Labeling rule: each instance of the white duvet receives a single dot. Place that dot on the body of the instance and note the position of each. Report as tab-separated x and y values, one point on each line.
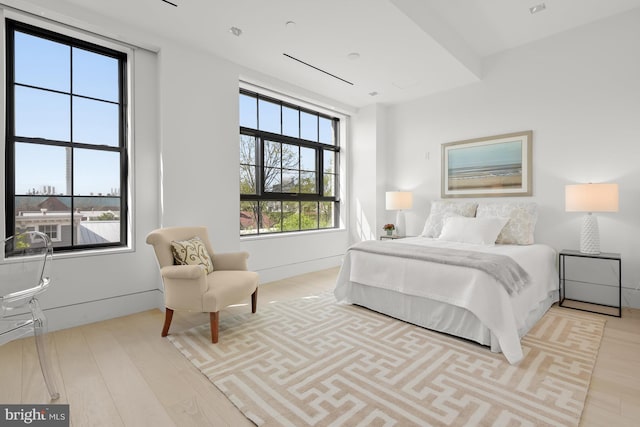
464	287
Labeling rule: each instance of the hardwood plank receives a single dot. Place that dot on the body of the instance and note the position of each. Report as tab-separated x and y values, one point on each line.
631	406
90	403
596	417
137	405
213	400
176	394
11	372
34	389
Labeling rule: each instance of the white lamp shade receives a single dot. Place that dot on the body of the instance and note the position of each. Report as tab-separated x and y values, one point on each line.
591	198
399	200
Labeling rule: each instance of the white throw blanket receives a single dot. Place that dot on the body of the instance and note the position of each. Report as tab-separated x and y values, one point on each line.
503	268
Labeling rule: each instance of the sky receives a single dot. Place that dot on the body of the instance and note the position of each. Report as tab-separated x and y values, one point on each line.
79	105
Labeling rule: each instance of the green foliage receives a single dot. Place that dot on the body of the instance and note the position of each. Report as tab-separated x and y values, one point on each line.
282	172
107	216
20	241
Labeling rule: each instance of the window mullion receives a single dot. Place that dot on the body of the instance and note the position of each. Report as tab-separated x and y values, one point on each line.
259	166
10	138
70	153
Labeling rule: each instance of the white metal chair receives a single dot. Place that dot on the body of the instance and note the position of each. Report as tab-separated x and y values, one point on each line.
23	276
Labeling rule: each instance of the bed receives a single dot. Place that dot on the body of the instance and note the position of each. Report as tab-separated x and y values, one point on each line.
460	300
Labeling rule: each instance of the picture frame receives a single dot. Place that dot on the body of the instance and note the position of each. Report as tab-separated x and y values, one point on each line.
493	166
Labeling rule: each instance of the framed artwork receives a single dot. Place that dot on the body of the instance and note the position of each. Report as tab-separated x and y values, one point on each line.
493	166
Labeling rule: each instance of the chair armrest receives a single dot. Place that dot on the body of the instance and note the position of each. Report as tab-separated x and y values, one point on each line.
230	261
184	286
182	271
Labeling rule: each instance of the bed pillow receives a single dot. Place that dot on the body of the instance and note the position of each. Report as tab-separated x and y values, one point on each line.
440	209
521	224
479	231
191	252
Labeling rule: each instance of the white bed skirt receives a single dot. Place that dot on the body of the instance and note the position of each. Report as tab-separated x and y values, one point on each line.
435	315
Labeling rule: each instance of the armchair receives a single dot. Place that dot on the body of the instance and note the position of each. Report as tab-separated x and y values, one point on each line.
197	286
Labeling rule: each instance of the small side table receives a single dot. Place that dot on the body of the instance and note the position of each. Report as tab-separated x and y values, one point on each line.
391	237
584	305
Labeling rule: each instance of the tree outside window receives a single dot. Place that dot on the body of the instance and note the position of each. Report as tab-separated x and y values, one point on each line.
288	167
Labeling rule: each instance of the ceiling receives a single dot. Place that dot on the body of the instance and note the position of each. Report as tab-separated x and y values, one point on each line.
407	48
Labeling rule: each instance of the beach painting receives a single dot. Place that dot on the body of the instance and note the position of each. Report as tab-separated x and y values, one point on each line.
488	167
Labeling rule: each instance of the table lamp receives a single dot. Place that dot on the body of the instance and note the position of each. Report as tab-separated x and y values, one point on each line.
591	198
399	201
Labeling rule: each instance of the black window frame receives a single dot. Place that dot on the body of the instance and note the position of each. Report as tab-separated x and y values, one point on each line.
12	26
263	194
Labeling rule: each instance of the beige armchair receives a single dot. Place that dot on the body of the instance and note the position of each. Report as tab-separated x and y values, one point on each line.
191	288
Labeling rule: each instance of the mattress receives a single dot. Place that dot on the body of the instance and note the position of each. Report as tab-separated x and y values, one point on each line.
457	300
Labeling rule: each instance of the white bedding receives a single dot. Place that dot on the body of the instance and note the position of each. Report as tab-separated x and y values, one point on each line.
463	287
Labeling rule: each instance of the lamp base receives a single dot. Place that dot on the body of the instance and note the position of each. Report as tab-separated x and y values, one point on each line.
590	235
400	231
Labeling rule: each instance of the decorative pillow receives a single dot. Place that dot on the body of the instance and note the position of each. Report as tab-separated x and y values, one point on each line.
191	252
522	218
479	231
440	209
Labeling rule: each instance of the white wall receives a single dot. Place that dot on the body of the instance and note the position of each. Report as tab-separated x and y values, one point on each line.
185	172
580	94
200	154
91	287
199	139
363	175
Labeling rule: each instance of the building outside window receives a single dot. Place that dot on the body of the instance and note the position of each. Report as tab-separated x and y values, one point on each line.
289	157
51	230
66	145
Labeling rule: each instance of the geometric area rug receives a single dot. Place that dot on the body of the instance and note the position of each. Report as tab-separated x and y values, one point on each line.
315	362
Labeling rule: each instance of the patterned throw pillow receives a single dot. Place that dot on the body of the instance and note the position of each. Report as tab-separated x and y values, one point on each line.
441	209
522	221
191	252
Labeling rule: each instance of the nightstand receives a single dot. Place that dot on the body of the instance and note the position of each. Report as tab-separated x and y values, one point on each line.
601	260
391	237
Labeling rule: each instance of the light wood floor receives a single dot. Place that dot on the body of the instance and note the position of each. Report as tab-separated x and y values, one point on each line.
120	372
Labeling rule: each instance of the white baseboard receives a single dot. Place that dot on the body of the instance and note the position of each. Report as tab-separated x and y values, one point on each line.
283	271
95	311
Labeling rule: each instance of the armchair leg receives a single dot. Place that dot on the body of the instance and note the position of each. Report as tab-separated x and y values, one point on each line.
215	320
168	316
254	301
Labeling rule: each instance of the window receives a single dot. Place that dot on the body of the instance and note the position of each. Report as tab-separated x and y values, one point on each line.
51	230
288	167
66	154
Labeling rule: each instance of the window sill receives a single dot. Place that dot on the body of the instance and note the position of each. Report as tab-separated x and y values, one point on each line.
254	237
92	252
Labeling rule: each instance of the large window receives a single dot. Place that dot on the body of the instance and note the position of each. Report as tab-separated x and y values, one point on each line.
66	159
288	167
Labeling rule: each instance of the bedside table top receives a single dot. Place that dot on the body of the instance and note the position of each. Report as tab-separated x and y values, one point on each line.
602	255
